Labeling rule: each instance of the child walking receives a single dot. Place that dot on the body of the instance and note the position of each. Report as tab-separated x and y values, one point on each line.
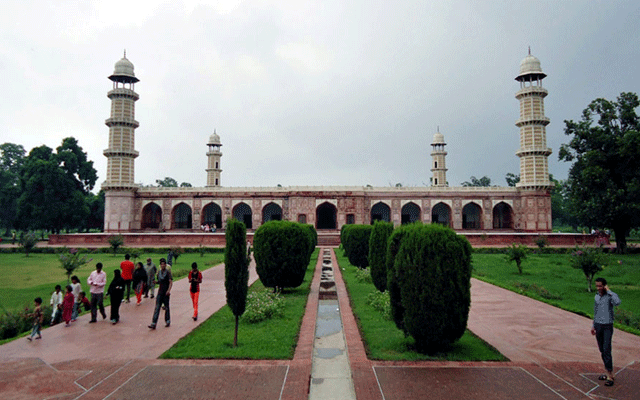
37	319
77	288
139	281
67	306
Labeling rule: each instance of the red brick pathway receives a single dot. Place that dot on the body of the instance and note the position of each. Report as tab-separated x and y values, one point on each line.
100	361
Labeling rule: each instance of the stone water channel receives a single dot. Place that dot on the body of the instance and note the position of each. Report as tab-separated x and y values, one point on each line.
330	371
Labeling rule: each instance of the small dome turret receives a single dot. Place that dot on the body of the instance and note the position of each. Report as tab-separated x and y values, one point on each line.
214	140
123	71
530	67
438	138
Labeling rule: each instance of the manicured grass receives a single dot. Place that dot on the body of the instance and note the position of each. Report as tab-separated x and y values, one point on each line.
558	284
270	339
25	278
384	341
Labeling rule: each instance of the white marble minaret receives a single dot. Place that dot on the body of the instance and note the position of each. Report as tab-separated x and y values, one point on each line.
533	152
119	185
213	160
438	167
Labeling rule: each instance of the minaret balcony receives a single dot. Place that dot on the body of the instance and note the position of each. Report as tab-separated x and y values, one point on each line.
121	122
531	91
535	151
121	153
122	92
532	121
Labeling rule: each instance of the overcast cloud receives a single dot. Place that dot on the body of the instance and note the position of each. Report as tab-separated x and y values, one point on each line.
310	92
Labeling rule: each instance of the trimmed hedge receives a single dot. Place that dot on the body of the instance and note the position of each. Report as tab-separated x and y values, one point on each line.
356	244
433	271
393	286
378	253
281	250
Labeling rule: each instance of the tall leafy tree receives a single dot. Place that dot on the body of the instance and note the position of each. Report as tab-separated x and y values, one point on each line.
484	181
55	187
236	270
167	182
604	180
11	160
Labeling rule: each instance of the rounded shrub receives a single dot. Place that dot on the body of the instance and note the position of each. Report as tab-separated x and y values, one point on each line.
433	271
281	251
378	253
313	235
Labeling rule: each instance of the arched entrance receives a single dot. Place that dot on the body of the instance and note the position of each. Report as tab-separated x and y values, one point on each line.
441	214
326	216
471	216
181	217
212	215
410	213
151	216
380	212
271	212
502	216
242	212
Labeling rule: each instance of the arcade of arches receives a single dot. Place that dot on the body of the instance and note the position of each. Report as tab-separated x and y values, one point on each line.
327	215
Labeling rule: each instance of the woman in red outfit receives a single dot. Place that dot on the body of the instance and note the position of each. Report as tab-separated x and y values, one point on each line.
195	279
139	279
67	305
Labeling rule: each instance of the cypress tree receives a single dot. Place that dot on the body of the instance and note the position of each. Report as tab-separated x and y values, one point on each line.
378	253
236	270
433	268
358	244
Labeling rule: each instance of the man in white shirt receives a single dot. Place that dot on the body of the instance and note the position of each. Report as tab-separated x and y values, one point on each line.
56	305
97	281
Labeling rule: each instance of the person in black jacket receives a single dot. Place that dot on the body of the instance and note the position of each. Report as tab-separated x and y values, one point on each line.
116	291
139	281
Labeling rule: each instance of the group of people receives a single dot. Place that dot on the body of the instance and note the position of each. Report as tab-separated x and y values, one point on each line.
143	279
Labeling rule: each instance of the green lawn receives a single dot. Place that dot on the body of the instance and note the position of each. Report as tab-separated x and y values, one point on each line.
549	278
270	339
25	278
384	341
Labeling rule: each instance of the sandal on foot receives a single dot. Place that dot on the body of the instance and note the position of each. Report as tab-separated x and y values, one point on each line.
603	377
609	382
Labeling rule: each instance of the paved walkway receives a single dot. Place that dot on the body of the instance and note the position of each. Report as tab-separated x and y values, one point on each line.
552	357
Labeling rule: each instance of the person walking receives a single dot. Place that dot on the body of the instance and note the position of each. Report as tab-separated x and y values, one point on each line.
67	306
165	281
151	270
76	289
139	281
127	273
56	305
195	279
97	281
602	329
116	291
38	317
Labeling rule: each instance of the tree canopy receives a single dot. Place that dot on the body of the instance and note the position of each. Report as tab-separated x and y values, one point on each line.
484	181
11	160
170	182
55	187
604	180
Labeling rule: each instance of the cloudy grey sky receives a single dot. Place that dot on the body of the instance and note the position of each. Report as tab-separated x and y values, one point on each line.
310	92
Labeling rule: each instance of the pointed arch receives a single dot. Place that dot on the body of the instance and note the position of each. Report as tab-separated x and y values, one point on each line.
410	213
441	214
326	216
271	212
502	216
242	212
212	215
151	216
471	216
181	217
380	212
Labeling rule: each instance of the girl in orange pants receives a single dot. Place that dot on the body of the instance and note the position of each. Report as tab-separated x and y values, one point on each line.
195	279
